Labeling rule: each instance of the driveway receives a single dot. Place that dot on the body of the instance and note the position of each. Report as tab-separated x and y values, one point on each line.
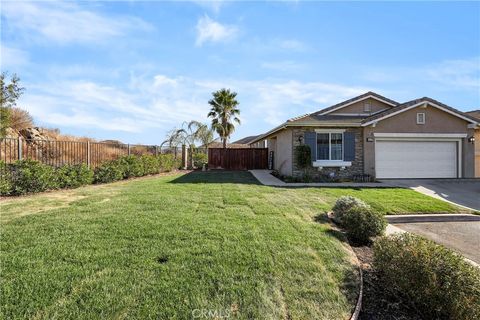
463	236
462	192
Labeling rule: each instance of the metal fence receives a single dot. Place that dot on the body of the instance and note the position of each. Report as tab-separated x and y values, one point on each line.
58	153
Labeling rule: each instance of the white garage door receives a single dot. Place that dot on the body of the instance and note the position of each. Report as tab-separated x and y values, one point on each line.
416	159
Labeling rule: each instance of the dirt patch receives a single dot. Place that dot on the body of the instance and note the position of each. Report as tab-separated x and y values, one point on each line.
377	305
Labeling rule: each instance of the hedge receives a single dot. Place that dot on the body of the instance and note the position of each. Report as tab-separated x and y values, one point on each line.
29	176
439	283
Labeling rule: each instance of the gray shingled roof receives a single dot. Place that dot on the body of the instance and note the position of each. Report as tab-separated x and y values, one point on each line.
247	140
414	102
474	113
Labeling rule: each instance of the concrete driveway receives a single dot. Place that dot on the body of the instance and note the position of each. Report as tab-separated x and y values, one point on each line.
464	192
462	236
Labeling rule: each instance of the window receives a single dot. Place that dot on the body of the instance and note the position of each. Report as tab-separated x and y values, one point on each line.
329	146
421	118
367	107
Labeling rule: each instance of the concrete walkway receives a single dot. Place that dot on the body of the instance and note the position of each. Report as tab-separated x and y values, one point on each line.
265	178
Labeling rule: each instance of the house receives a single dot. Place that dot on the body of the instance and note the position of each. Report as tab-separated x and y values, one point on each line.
476	114
374	135
217	143
248	141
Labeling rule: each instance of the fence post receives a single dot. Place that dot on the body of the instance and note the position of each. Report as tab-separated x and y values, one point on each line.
184	156
88	154
20	148
128	148
156	151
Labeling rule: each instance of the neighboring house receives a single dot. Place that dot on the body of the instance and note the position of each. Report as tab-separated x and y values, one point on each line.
248	141
217	143
371	134
476	114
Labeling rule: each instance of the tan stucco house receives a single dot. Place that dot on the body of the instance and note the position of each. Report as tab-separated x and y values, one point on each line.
376	136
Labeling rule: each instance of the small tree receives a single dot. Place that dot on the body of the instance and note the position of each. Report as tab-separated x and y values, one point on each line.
8	99
224	113
303	157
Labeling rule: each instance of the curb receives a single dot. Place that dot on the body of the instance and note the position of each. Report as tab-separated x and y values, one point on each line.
414	218
358	305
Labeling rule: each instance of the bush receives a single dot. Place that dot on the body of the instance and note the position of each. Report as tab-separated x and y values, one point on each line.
5	179
109	171
167	162
133	166
150	164
199	159
29	176
437	281
345	203
303	156
74	176
362	223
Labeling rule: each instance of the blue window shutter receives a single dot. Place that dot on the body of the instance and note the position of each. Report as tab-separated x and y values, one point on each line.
349	144
311	141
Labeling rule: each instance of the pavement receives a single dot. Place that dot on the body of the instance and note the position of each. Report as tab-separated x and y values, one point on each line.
265	178
462	192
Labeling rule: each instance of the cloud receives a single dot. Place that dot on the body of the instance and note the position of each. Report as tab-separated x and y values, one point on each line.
284	66
65	23
12	57
161	102
462	74
214	5
291	44
209	30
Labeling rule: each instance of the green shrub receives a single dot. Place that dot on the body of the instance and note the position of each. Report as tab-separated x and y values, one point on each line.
362	223
167	162
74	176
150	164
133	166
5	179
437	281
109	171
303	157
345	203
29	176
199	159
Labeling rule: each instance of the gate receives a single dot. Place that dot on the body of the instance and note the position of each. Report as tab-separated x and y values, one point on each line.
238	159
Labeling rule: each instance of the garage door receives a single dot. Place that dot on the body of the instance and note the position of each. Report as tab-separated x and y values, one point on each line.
416	159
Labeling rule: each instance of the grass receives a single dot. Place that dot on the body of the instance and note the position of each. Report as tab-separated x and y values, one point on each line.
163	247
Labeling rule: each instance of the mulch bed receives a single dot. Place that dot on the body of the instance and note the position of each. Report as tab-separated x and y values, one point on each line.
377	305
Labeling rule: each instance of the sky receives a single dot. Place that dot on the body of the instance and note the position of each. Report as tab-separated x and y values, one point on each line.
133	70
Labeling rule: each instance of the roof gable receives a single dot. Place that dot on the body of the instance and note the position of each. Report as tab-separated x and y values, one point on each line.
416	103
365	96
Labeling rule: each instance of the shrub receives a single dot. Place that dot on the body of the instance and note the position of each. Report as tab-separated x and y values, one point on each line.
29	176
133	166
199	159
74	176
437	281
109	171
167	162
150	164
5	179
345	203
362	223
303	156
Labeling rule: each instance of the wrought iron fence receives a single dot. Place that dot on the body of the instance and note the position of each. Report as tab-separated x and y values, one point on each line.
58	153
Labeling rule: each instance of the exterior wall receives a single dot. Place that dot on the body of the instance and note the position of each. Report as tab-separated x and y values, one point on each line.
358	107
281	145
259	144
477	153
348	172
436	121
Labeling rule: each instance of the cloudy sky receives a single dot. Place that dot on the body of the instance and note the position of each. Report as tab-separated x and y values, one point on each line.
133	70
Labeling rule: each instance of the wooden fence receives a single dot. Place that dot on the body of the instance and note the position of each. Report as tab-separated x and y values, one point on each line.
58	153
238	159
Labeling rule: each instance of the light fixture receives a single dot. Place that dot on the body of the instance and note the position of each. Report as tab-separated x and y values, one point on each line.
471	139
369	139
300	139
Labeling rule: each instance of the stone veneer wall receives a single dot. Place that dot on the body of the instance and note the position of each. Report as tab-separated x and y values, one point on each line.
348	172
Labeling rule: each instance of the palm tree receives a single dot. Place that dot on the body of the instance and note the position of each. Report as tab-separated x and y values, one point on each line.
224	113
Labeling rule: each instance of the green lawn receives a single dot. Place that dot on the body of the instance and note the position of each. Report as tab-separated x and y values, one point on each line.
164	247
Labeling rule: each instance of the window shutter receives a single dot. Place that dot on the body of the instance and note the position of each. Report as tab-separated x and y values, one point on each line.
311	141
349	143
